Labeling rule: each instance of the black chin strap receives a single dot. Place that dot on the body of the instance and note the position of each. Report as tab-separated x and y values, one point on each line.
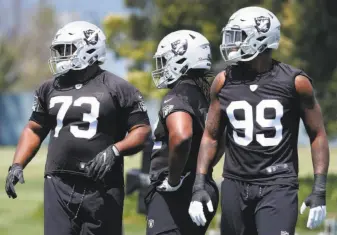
73	77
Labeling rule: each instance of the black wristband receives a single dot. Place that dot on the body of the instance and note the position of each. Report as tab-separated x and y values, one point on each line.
199	182
319	183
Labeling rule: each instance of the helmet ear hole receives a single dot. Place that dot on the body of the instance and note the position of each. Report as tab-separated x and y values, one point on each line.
91	51
261	38
181	61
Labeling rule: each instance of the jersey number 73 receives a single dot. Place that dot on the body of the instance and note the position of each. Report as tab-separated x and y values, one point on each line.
91	118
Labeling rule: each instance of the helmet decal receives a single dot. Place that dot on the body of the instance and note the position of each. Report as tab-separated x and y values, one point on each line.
179	47
177	53
262	24
87	35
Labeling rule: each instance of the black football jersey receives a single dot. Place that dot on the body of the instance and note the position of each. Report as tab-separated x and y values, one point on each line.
262	114
184	97
86	118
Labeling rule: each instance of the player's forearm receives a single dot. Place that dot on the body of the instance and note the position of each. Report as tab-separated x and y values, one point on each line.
29	144
207	153
178	155
320	153
134	141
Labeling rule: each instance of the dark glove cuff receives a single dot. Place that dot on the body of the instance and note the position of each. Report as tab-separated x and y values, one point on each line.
319	183
199	182
15	165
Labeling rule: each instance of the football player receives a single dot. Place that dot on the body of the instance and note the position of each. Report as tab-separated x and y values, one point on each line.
260	101
88	112
183	61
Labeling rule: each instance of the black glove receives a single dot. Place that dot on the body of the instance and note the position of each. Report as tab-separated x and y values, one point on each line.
200	197
102	163
15	174
317	196
316	202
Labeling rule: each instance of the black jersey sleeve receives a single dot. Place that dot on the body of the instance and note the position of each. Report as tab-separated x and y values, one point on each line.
301	72
133	106
39	107
175	103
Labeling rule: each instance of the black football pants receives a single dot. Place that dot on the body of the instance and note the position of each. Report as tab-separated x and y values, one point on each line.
73	205
167	212
249	209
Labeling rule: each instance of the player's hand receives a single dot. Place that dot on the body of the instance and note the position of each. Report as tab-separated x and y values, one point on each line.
316	202
200	197
101	164
15	174
166	187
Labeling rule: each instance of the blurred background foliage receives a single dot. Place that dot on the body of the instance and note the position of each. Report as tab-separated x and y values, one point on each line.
308	39
24	46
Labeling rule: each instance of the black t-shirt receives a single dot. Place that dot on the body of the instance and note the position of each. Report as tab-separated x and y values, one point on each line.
184	97
84	119
263	114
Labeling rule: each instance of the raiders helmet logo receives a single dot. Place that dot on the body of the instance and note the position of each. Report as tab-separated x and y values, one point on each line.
87	34
179	47
262	24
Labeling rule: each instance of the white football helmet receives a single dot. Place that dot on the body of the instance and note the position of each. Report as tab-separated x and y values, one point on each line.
248	33
76	46
177	53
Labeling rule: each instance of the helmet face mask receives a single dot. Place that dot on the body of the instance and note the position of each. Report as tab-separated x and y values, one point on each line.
63	58
248	33
237	45
177	53
164	74
76	46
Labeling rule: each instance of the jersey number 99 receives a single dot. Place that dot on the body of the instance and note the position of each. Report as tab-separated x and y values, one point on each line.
248	123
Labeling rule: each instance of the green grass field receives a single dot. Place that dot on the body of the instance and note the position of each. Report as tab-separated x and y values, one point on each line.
24	214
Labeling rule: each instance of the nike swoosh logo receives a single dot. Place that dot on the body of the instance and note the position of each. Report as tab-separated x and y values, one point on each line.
165	101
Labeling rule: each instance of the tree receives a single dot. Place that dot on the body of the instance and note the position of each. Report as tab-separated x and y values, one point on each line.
24	50
8	67
136	36
308	41
312	47
128	37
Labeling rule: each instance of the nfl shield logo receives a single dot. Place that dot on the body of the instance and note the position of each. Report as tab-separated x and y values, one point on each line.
78	86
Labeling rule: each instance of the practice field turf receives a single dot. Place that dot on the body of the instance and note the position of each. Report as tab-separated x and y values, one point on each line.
24	214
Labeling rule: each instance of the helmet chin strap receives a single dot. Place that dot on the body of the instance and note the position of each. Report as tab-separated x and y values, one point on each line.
252	57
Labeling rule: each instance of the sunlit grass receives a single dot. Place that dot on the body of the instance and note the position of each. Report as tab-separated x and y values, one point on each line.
25	213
